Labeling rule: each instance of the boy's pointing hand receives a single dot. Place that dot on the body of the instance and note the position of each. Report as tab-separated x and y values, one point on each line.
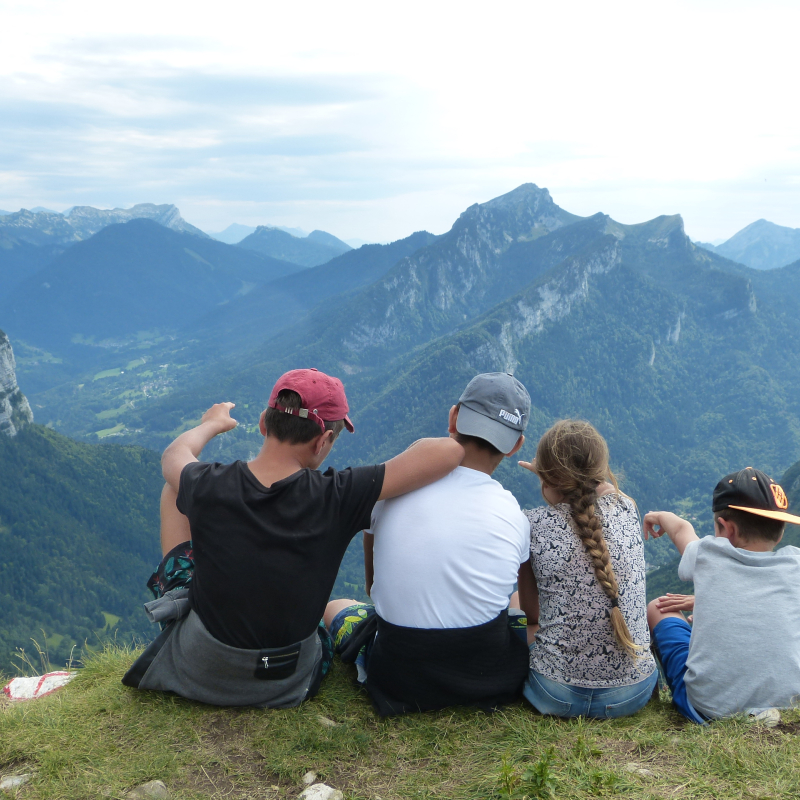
679	530
219	415
657	523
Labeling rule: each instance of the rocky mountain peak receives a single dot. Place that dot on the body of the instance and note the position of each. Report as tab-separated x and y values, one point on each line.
82	222
521	215
15	412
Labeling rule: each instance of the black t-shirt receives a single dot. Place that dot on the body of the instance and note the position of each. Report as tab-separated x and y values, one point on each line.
266	558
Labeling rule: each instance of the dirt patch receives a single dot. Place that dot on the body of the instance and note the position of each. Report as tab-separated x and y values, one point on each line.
792	728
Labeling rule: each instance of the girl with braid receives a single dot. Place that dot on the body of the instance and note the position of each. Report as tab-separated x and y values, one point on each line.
583	590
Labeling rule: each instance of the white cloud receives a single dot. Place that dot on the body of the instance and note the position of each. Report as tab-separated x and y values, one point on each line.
374	120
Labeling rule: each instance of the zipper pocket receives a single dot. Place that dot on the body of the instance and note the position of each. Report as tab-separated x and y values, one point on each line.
277	663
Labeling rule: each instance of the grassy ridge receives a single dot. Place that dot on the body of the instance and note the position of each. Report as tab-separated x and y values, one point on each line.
97	738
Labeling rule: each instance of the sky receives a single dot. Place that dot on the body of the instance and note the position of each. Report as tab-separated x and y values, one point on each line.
373	120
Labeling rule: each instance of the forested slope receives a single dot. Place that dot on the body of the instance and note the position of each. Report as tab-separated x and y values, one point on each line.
78	537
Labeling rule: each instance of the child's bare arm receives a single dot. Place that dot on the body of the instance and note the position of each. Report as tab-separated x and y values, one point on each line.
188	446
424	462
679	530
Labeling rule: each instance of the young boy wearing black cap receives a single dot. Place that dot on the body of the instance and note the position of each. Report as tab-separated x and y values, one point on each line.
742	652
252	549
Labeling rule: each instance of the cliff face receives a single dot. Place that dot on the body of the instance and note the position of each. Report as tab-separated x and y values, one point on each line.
14	408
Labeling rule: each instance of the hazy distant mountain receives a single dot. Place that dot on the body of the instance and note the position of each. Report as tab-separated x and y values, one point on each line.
233	234
137	276
51	228
43	209
20	260
285	301
298	232
4	213
761	245
311	251
356	243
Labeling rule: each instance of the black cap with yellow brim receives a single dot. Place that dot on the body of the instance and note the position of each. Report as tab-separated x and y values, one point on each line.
756	493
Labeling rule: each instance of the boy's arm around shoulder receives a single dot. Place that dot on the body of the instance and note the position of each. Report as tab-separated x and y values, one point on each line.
426	461
680	531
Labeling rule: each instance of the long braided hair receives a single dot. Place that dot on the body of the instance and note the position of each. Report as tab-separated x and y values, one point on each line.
572	459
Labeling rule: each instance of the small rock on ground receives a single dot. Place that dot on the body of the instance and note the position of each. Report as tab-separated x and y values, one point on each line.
327	723
770	717
153	790
11	782
321	791
637	770
309	778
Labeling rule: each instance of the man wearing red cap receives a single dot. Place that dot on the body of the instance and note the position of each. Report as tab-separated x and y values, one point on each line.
252	549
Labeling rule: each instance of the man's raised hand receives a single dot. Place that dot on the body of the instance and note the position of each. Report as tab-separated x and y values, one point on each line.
220	416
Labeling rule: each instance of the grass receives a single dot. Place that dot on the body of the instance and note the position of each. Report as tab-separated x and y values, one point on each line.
120	426
108	373
96	738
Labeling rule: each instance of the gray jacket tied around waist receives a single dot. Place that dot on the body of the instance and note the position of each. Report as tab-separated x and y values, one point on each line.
187	660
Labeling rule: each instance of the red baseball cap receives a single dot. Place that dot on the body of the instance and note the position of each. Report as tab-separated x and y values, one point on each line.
322	396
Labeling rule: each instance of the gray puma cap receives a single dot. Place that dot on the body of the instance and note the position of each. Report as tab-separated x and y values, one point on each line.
496	407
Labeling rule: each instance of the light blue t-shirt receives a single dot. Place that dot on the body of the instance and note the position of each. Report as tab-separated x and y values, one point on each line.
744	653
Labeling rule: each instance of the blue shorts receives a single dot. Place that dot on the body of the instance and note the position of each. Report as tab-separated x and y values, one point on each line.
671	644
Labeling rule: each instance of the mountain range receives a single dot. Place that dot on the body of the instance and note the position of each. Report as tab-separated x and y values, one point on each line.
129	278
680	356
234	233
761	245
310	251
31	239
50	227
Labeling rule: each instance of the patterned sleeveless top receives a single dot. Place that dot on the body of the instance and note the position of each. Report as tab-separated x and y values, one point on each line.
575	644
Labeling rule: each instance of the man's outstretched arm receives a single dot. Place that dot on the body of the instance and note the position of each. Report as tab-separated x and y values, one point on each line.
188	446
424	462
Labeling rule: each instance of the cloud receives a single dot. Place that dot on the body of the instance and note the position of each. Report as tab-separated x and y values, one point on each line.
374	121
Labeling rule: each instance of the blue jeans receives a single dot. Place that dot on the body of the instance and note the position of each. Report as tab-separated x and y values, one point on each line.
561	700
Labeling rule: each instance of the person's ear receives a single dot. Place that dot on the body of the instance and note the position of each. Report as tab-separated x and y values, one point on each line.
322	440
517	446
726	529
262	425
451	420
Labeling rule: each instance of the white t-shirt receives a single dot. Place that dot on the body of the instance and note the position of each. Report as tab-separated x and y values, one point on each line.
447	555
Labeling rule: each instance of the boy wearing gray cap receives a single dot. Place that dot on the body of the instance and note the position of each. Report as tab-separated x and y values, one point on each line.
445	562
